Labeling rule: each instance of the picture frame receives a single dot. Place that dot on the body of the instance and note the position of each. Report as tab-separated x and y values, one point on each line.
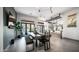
72	20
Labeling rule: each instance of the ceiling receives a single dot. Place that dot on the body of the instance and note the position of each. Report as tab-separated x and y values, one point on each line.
44	12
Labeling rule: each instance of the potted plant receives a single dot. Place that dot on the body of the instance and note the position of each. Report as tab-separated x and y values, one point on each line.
18	28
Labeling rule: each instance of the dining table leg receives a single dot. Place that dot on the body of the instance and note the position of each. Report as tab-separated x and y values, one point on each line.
36	43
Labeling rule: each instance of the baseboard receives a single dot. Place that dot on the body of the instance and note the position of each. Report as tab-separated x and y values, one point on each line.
69	38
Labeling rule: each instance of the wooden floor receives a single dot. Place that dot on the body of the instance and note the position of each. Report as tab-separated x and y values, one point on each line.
57	45
61	45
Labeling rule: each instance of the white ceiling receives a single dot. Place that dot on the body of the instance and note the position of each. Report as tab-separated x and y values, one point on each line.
44	11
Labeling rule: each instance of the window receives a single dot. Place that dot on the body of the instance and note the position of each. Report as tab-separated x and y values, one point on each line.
32	27
28	27
23	29
40	28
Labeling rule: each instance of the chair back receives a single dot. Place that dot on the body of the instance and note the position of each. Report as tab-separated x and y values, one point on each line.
12	42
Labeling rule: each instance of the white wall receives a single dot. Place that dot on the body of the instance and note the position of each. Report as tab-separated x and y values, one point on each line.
1	29
8	34
27	17
71	32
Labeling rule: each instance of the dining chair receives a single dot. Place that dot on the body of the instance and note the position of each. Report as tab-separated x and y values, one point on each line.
29	41
45	39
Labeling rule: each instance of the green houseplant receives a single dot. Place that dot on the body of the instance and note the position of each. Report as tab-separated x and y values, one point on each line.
18	28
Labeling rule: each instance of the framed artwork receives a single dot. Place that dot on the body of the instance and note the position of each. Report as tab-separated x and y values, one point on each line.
72	20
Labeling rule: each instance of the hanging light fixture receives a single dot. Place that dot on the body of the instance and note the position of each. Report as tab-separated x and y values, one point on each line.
39	10
40	16
51	10
55	18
